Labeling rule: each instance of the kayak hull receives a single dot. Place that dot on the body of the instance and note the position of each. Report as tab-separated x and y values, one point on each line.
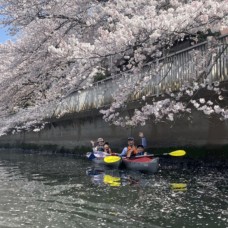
143	164
96	157
99	161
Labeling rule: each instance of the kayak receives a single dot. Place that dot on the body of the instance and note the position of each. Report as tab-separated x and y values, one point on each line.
97	157
144	164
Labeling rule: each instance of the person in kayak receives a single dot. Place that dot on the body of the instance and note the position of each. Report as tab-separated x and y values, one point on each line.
131	149
140	150
107	148
99	146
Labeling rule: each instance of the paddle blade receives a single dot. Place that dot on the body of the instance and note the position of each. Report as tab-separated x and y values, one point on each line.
178	186
112	181
111	159
177	153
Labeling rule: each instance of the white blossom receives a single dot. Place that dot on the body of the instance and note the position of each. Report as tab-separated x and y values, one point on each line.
220	97
209	102
196	105
36	129
61	47
202	100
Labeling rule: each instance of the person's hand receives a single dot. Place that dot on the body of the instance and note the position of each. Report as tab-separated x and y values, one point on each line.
92	142
129	153
141	135
131	150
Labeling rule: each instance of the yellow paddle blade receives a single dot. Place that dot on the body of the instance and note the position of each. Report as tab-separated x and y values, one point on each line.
112	181
111	159
177	153
115	184
178	186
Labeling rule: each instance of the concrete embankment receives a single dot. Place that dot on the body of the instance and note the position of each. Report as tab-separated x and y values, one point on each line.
76	131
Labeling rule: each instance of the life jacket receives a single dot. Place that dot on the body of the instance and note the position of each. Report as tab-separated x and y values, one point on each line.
134	150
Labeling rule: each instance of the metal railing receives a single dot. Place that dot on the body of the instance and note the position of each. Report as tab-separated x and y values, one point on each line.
175	70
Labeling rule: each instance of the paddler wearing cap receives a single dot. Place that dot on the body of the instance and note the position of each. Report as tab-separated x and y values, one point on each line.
99	146
131	149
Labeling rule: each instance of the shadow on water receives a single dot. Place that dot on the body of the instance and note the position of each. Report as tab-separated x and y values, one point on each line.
64	191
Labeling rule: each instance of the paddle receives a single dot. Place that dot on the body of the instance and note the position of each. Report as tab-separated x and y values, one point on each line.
176	153
112	181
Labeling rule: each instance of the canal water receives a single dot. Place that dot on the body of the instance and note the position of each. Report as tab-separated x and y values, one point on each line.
38	190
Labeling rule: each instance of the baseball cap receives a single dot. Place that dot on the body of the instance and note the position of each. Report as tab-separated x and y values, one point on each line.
130	139
140	146
100	140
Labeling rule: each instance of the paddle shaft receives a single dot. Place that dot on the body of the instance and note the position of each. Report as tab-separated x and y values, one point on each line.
153	155
177	153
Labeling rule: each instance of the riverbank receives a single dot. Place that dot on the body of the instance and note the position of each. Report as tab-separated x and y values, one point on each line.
76	131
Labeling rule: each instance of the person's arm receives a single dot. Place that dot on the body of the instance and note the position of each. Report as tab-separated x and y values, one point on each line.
95	149
124	152
144	141
93	145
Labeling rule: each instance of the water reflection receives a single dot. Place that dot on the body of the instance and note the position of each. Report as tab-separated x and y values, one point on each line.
117	178
113	178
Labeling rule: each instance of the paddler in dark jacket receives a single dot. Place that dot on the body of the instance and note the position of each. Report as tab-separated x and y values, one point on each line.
131	149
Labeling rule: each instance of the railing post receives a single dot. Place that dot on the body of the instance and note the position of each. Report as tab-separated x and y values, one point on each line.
157	79
208	46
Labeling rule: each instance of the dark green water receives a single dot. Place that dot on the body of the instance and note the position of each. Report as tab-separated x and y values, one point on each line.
56	191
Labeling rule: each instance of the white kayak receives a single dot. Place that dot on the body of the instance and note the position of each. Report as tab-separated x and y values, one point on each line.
97	156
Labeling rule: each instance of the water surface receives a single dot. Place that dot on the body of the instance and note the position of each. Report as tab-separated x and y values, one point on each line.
56	191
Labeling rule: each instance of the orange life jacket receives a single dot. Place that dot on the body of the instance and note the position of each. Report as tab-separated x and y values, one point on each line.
134	150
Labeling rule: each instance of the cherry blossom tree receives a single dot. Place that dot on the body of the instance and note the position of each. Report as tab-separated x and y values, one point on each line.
61	45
